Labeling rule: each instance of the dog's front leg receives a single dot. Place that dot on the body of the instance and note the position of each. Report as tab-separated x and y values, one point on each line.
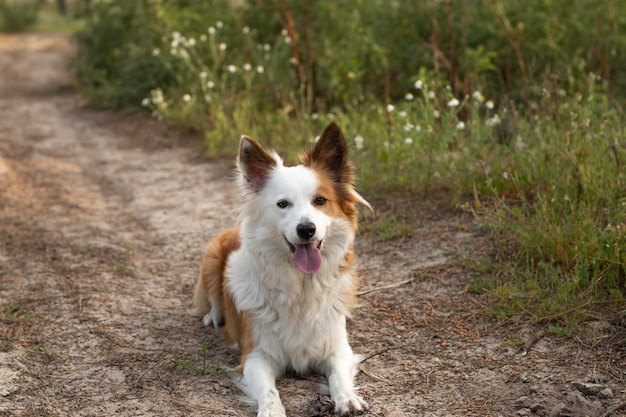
259	383
340	369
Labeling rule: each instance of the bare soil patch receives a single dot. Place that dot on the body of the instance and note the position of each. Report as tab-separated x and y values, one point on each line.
103	220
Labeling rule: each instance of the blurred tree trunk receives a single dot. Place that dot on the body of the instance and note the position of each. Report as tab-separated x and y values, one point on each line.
62	6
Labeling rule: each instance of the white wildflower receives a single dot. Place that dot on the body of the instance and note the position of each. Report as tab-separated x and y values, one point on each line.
145	102
390	108
489	104
408	97
247	67
245	30
156	52
408	141
210	84
219	24
211	30
460	125
186	98
453	103
408	127
419	84
478	96
231	68
260	69
492	121
431	95
436	114
222	46
358	141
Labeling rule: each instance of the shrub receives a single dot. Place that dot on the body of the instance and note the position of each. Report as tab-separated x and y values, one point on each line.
16	17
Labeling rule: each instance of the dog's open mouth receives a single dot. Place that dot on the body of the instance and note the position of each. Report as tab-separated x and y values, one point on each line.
306	256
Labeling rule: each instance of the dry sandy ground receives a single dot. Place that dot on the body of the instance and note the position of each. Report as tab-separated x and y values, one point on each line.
103	219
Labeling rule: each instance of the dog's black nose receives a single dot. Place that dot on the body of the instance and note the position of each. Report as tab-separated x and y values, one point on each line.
306	230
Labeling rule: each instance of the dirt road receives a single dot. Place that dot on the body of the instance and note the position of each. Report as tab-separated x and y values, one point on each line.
103	220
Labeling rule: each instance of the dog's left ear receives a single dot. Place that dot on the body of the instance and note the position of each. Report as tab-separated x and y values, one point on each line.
331	154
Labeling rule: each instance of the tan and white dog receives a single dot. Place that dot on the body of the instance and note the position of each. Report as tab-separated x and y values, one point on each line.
281	285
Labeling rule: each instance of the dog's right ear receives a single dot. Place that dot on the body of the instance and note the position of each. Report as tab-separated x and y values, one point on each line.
254	162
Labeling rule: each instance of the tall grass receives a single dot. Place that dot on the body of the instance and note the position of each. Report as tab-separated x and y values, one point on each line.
510	107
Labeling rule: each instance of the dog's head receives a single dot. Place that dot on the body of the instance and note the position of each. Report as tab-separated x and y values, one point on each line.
307	211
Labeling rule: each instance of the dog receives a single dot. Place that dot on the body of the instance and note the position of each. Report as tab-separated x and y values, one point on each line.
281	285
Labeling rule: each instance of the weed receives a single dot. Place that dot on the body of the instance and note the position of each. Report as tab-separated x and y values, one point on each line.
206	368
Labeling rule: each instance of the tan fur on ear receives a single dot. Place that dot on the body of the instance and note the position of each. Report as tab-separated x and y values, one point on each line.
330	156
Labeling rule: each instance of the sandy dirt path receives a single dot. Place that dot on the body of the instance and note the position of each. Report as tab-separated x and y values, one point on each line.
103	221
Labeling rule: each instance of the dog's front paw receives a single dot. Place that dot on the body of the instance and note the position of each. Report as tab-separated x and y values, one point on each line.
351	404
272	410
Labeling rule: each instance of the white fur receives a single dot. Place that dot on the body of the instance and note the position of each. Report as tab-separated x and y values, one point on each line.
299	320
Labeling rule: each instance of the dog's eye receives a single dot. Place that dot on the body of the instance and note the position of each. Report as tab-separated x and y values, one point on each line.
282	203
320	201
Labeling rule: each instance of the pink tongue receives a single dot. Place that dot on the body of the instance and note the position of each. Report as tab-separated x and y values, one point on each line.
307	258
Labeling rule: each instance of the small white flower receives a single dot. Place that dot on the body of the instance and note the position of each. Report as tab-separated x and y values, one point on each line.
505	175
266	47
156	52
219	24
408	97
390	108
287	40
408	141
489	104
408	127
260	69
231	68
222	46
203	74
492	121
315	116
358	141
431	95
436	114
402	114
247	67
245	30
419	84
283	32
429	128
211	30
460	125
203	38
478	96
191	42
186	98
184	54
453	103
293	60
418	128
210	84
351	75
145	102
